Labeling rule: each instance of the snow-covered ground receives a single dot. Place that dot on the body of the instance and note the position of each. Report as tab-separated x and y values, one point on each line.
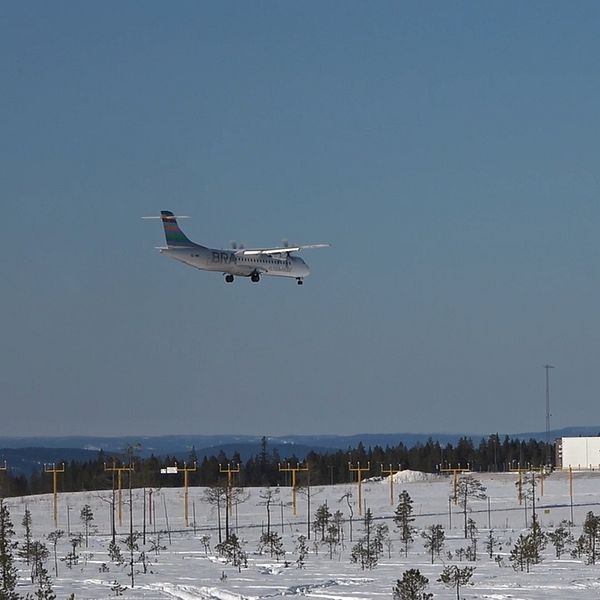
185	571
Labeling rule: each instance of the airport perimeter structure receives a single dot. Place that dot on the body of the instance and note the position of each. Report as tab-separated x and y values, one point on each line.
578	453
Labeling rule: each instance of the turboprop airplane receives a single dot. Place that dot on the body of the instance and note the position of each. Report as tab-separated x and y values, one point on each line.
237	262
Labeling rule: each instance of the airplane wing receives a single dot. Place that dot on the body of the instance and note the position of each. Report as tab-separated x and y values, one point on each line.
279	250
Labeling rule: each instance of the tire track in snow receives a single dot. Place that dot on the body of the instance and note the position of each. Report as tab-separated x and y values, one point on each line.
189	592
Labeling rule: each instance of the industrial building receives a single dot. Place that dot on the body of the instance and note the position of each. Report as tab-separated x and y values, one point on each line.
578	453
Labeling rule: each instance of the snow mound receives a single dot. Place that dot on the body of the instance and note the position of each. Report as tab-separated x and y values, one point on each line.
408	476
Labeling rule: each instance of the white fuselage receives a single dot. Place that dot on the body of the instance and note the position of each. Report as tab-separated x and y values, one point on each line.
235	263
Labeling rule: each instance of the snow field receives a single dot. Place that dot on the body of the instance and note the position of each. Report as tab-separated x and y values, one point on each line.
185	571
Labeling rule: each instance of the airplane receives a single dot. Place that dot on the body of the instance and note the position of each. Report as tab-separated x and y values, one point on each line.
237	262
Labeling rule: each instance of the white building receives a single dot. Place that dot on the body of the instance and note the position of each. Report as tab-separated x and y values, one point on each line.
578	453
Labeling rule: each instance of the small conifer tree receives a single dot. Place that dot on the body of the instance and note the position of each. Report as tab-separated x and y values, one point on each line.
412	586
86	516
403	519
301	551
8	571
455	577
434	537
25	551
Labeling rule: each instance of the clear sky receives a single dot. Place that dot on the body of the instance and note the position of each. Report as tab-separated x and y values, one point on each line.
448	150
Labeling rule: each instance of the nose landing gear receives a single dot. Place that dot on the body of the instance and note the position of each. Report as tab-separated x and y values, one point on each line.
255	277
299	280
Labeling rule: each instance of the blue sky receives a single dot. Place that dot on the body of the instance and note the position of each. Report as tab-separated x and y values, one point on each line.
448	151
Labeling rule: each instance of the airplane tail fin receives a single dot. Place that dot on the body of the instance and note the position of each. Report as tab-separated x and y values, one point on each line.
174	236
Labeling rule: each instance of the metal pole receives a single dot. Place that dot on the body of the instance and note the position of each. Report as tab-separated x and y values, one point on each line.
547	368
571	491
185	494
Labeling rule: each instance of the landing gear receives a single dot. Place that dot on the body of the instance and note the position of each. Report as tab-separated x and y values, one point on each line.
255	277
299	280
229	278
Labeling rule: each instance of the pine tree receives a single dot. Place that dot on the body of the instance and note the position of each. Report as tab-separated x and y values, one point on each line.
381	537
560	537
301	551
338	521
44	591
525	552
8	572
528	548
232	551
434	537
453	577
591	530
72	557
115	554
39	555
87	516
321	521
538	539
403	519
365	550
272	542
54	536
412	586
268	497
490	543
25	551
372	554
216	496
472	532
205	541
468	488
332	539
581	547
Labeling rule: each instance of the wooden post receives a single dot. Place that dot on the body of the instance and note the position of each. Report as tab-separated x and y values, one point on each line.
186	470
391	473
293	471
456	471
55	471
119	470
231	471
359	471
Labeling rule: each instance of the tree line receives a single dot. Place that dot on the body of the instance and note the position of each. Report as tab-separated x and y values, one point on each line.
491	454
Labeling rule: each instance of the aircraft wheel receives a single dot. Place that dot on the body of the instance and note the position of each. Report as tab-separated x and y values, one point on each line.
229	278
255	277
299	281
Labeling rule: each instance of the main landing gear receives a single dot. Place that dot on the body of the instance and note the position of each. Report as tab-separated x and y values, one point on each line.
255	277
299	280
229	278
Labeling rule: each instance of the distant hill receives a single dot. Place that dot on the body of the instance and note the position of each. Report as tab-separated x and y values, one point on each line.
29	459
28	453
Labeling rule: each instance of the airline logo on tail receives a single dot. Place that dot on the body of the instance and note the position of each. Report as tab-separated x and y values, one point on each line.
173	235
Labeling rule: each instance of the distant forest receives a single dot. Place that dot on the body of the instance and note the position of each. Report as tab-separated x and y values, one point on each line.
492	454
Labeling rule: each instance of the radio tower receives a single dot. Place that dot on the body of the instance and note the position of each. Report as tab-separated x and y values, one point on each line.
548	367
